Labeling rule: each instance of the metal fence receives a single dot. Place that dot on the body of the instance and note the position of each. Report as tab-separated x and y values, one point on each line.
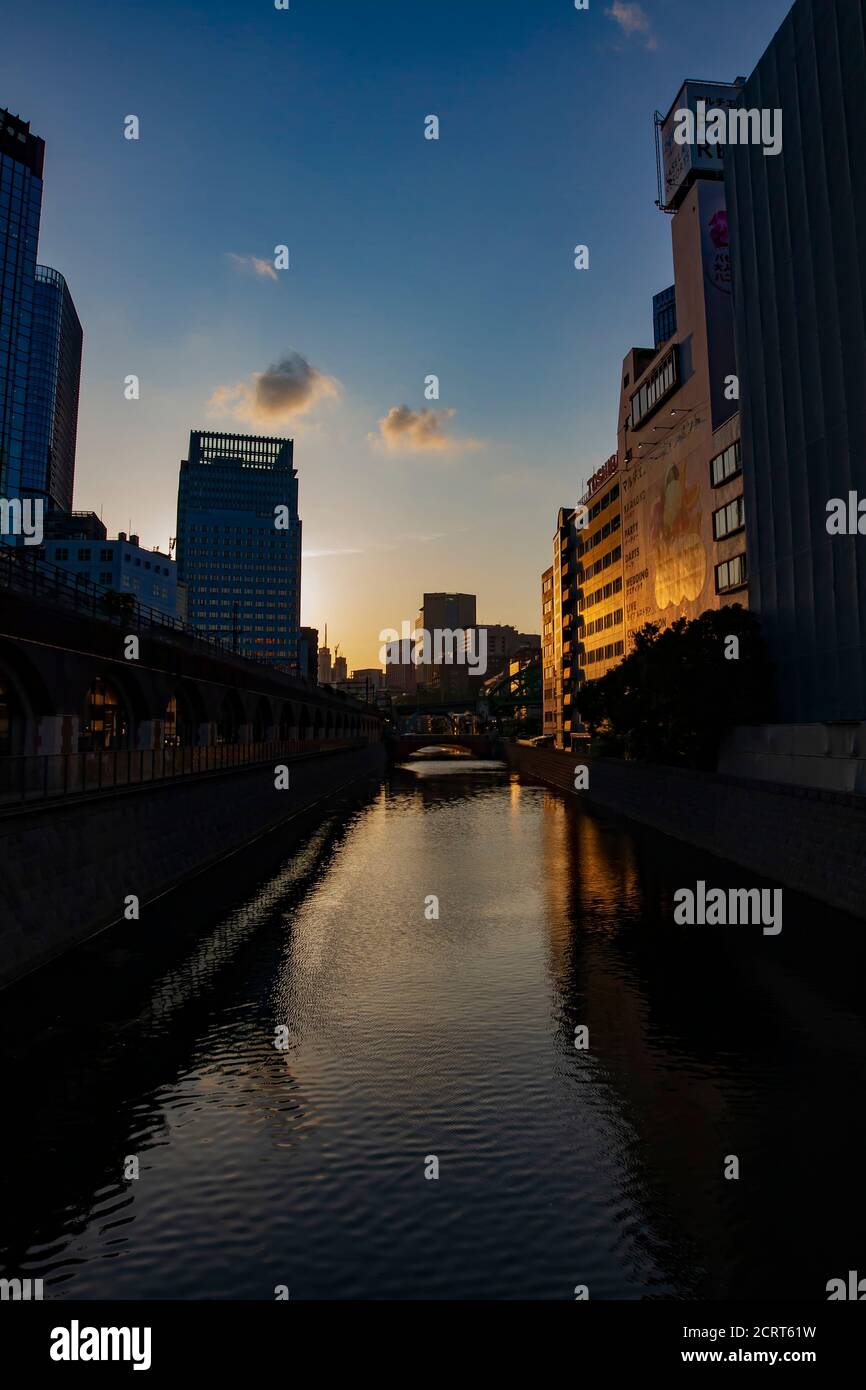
39	777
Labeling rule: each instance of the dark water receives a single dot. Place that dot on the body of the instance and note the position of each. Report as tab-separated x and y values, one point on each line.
408	1038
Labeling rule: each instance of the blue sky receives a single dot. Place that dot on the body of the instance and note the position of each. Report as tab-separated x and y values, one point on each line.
408	257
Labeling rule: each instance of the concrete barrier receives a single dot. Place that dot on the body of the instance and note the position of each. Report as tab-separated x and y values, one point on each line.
810	840
66	869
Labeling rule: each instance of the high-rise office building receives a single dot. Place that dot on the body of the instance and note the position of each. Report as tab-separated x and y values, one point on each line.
21	163
324	664
54	374
798	236
446	618
239	543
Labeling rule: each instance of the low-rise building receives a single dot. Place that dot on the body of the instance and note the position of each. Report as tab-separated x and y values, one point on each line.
123	565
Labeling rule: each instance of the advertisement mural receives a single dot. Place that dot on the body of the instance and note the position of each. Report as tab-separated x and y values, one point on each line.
666	558
718	301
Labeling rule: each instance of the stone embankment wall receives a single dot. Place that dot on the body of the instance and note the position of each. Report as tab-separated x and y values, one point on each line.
813	841
67	867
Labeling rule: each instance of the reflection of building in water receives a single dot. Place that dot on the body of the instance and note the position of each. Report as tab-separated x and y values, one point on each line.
620	972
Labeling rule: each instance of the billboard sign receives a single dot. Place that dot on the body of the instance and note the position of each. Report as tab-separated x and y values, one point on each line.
682	163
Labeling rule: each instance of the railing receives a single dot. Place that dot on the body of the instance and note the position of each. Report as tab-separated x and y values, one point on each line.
23	570
36	777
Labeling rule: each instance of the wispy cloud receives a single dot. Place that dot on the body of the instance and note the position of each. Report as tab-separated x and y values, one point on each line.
288	388
404	430
253	264
320	554
633	21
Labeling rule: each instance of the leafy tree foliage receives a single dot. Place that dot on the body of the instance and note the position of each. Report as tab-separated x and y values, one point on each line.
674	695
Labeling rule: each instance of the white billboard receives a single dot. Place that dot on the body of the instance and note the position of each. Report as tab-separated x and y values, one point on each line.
680	162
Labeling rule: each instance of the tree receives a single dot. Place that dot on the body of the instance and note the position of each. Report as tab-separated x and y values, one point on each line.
675	694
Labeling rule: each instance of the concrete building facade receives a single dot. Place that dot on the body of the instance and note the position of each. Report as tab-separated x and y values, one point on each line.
678	436
798	225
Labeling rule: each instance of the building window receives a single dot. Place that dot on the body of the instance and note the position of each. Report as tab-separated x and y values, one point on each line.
104	723
658	386
84	554
726	465
105	555
731	574
62	553
728	519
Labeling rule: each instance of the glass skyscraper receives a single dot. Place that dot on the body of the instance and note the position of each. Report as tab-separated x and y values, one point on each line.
51	424
21	161
241	565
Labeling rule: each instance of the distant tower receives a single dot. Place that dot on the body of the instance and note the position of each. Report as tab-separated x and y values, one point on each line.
325	661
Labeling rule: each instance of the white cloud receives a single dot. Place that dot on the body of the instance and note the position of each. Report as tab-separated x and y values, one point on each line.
633	20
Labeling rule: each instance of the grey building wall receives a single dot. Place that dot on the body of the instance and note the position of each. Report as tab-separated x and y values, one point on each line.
798	238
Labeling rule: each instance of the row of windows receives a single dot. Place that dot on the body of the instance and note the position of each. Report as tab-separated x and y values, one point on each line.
726	465
266	524
85	555
606	653
605	501
606	560
601	534
731	574
601	624
727	520
614	586
660	383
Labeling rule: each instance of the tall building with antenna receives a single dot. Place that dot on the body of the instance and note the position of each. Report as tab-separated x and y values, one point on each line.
325	661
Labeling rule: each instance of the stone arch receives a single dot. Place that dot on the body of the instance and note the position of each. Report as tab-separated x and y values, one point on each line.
107	718
304	723
230	717
288	726
16	722
183	716
32	691
262	721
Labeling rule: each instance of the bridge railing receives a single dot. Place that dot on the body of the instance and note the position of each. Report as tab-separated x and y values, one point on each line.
36	777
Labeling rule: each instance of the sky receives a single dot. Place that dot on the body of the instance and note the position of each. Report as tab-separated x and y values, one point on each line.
407	258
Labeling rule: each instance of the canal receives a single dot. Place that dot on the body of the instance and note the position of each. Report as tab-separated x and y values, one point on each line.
402	1038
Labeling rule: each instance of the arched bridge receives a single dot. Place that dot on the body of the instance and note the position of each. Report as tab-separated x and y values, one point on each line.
402	746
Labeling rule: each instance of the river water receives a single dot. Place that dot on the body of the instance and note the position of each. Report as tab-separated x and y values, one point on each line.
408	1038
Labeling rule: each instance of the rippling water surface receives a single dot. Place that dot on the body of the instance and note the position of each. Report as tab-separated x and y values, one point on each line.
407	1038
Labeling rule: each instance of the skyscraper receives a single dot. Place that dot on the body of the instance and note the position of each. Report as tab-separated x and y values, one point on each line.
446	618
51	423
21	161
798	236
239	543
